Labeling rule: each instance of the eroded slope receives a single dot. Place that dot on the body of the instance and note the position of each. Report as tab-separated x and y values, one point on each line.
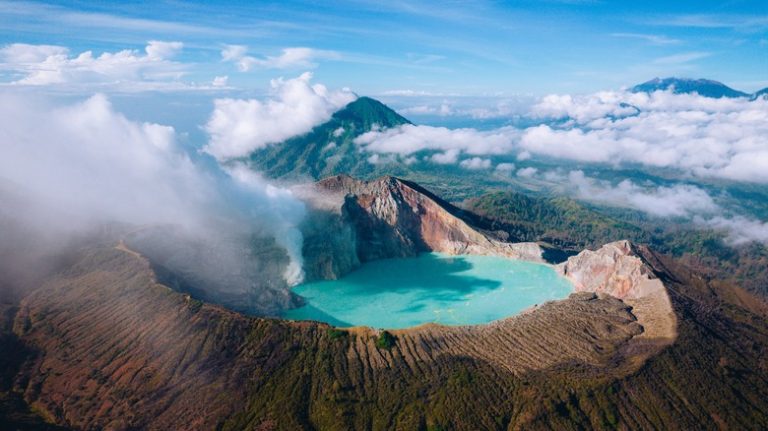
118	350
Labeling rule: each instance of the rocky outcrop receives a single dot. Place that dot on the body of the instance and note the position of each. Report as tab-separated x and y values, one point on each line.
615	269
620	270
396	218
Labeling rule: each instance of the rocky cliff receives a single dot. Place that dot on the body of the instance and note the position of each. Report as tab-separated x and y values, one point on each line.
619	269
389	217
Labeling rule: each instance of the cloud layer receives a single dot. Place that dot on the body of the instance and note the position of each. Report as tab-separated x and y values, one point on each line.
239	126
686	133
131	70
680	200
685	201
91	164
740	230
298	57
700	136
449	144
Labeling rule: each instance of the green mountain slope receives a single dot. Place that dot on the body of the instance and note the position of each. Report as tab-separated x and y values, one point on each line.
329	148
560	221
573	225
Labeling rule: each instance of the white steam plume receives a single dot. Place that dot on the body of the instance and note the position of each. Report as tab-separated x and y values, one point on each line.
88	164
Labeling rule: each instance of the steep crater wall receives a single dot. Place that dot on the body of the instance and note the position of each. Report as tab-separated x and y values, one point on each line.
358	221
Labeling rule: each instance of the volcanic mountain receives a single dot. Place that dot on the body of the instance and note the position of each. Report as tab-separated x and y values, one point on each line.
702	87
760	93
103	343
329	148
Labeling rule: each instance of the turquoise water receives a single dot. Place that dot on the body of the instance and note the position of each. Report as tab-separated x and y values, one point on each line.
432	287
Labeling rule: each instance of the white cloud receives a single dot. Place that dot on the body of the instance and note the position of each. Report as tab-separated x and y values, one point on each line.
682	58
233	52
653	39
338	132
92	164
740	230
481	108
686	133
162	50
417	110
237	127
89	141
409	93
505	167
583	108
298	57
527	172
448	157
680	200
38	65
220	81
444	110
475	163
408	139
22	53
378	159
722	138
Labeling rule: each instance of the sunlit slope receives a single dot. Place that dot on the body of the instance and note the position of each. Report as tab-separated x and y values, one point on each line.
122	351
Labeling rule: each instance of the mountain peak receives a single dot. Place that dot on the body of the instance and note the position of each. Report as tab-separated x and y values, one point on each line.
329	148
703	87
366	112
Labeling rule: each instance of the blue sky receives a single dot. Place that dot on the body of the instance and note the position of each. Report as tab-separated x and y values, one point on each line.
471	48
491	86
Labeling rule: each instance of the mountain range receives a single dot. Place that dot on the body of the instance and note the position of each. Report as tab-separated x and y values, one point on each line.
702	87
329	149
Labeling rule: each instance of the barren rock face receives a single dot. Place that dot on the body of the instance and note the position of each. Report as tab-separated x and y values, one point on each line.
614	269
618	269
396	218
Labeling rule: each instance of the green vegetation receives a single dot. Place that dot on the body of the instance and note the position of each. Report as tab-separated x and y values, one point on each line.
559	221
335	333
313	155
385	340
195	305
573	226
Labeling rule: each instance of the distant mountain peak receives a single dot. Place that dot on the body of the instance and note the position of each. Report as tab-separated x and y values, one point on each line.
760	93
703	87
367	111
